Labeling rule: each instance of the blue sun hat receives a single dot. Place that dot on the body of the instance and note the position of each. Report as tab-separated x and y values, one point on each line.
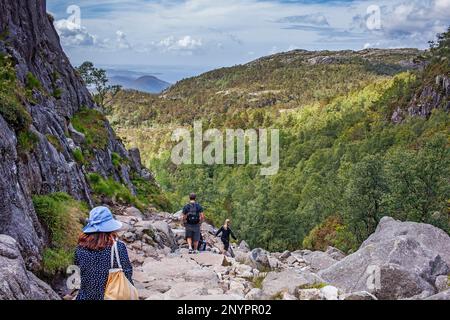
101	220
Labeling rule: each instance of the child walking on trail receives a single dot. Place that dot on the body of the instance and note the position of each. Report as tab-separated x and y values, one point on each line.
226	232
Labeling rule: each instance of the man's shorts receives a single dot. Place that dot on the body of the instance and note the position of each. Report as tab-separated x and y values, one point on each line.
193	231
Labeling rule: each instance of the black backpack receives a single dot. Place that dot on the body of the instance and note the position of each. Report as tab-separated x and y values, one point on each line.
193	215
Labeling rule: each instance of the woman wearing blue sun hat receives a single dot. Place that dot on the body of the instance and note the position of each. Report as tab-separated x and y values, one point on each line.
93	254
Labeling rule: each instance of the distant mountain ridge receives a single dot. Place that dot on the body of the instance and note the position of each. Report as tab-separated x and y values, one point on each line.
147	83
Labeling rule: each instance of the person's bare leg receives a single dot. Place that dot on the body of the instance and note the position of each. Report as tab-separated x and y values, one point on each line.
189	241
195	245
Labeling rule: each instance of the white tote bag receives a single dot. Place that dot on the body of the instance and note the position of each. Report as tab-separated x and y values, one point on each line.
118	287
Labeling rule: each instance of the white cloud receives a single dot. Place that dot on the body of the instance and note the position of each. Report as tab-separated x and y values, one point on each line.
223	32
314	19
121	40
442	5
72	34
371	45
414	22
187	44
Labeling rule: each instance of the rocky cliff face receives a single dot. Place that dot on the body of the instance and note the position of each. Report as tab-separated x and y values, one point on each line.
29	40
430	97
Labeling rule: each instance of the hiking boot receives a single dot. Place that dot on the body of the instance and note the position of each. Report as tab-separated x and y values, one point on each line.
196	251
191	251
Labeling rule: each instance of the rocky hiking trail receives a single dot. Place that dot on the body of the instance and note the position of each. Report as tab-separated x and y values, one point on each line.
411	259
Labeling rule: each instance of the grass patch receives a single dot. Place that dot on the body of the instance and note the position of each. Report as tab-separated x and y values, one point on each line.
11	109
63	217
277	296
92	124
32	82
113	190
56	260
150	194
55	142
56	91
26	141
78	156
318	285
116	159
257	281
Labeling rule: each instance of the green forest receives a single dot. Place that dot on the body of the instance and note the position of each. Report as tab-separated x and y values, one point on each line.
363	135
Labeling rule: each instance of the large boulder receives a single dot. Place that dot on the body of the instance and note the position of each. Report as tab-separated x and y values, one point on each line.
243	246
207	259
289	281
427	235
178	268
444	295
335	253
16	283
318	260
167	236
400	260
259	258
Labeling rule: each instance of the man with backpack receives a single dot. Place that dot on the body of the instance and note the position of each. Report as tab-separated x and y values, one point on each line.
193	217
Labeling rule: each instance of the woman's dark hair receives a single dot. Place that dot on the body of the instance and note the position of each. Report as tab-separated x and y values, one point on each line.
192	196
97	241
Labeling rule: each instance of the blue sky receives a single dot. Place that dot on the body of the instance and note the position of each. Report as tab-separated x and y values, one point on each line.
197	35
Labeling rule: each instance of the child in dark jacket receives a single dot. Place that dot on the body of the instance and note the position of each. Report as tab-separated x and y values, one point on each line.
226	232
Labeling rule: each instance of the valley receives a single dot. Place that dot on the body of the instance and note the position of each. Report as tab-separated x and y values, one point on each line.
359	131
357	210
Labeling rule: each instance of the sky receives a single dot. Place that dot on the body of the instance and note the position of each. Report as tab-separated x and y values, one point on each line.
179	38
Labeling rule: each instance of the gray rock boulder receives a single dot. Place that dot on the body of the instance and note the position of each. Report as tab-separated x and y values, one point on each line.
361	295
427	235
257	258
289	281
442	283
400	260
134	212
16	283
243	246
318	260
335	253
444	295
167	236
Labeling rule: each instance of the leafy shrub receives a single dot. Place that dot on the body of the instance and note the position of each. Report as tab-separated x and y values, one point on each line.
63	217
330	233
